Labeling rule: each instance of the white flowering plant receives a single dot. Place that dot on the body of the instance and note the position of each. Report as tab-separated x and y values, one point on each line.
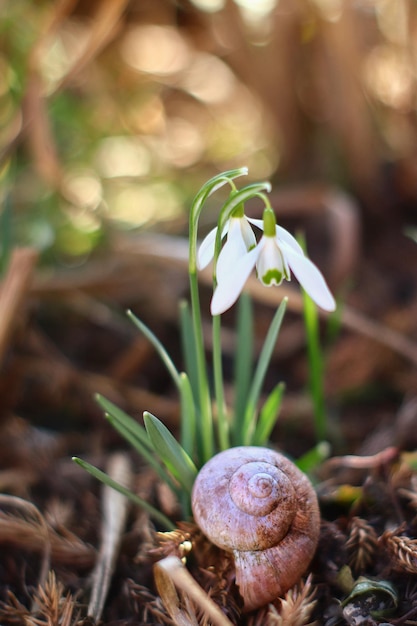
208	425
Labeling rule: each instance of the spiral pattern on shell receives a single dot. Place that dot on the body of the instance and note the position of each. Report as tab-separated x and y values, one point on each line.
256	503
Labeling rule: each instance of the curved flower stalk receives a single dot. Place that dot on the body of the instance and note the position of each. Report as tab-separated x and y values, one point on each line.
275	256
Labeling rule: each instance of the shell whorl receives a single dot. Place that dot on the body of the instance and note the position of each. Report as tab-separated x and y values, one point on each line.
256	503
257	488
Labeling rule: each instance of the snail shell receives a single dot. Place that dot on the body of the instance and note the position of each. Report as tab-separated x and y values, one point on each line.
258	505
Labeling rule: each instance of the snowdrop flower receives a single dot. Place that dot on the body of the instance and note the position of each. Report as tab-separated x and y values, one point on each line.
275	256
240	239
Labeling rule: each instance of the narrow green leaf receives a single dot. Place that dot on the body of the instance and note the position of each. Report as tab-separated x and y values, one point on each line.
314	457
204	434
171	453
189	346
136	435
149	457
188	416
5	232
268	416
315	369
243	362
222	423
166	359
104	478
261	369
315	360
130	424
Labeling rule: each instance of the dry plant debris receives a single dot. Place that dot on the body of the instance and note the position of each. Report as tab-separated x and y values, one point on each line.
361	545
313	111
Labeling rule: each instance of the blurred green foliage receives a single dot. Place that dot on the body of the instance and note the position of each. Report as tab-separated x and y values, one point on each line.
113	112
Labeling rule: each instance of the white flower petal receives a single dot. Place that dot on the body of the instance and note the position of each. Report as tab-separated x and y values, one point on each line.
247	233
271	266
231	283
286	237
310	277
233	249
258	223
282	234
206	250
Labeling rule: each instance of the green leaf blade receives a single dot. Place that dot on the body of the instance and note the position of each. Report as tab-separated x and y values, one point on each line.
248	425
160	349
268	416
243	361
105	479
137	437
171	453
188	416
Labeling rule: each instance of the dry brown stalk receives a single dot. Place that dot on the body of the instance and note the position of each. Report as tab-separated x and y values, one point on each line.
362	544
24	534
402	551
34	520
104	27
115	508
170	575
14	290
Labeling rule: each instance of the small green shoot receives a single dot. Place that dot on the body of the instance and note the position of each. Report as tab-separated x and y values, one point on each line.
171	453
104	478
243	363
245	430
268	416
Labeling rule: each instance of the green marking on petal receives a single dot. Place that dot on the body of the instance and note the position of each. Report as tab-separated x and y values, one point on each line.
269	223
239	211
272	277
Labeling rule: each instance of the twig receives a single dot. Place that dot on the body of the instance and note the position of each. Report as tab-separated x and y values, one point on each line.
13	291
170	573
115	507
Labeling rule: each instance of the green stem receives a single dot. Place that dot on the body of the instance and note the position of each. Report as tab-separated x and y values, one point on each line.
222	421
315	359
206	443
206	435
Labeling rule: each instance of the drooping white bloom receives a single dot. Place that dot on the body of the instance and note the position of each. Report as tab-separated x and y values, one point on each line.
275	256
240	239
